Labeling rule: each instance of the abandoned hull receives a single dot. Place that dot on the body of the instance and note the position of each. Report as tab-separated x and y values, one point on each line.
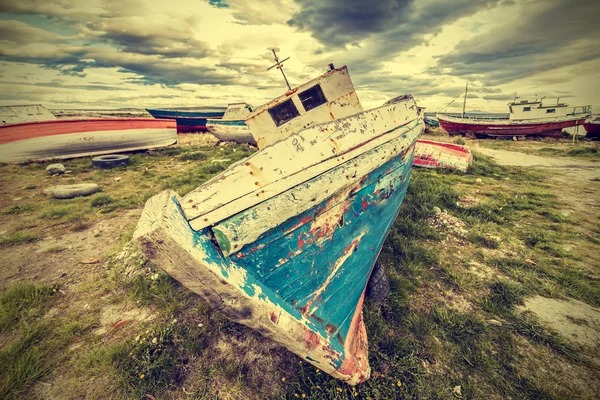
506	127
230	131
78	138
592	128
431	154
291	252
188	121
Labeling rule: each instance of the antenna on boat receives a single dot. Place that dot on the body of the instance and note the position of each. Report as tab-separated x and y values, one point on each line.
279	65
465	102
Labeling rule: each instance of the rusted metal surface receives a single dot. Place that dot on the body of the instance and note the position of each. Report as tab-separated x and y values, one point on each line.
431	154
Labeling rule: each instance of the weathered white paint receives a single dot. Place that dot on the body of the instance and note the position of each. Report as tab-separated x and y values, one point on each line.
342	101
167	240
286	163
247	226
432	154
239	133
237	111
528	110
24	113
71	145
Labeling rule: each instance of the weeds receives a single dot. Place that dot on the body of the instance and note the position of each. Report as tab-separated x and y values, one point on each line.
18	237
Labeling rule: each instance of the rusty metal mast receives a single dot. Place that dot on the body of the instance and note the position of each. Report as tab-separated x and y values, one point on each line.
279	65
465	101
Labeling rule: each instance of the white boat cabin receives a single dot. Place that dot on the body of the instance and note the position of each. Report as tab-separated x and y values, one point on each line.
328	97
237	111
525	109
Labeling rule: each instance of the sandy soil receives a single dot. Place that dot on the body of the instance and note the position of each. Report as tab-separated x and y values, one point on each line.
575	320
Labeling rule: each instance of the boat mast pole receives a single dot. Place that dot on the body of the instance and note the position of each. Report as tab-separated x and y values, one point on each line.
465	101
279	66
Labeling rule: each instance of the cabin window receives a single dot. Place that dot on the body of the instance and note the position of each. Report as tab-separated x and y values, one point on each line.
526	108
312	98
550	110
284	112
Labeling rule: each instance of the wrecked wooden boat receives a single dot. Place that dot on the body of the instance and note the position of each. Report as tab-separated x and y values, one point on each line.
232	127
526	118
431	154
33	141
189	119
285	240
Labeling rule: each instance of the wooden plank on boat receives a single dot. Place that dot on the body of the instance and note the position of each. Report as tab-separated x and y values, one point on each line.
258	177
247	226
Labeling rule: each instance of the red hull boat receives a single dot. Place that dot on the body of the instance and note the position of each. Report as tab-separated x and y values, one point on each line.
508	128
32	141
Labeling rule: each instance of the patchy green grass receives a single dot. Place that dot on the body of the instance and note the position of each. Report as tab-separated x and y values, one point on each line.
19	237
443	332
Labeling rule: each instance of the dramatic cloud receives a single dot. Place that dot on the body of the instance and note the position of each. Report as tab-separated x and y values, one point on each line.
215	51
541	36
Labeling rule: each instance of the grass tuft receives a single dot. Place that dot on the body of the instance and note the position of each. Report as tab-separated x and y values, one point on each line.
19	237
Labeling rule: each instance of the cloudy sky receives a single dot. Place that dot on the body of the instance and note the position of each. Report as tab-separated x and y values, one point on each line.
157	53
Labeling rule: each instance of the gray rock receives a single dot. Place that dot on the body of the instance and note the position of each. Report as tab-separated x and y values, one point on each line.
71	191
55	169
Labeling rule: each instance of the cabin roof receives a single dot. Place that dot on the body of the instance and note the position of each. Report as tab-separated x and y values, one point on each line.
290	93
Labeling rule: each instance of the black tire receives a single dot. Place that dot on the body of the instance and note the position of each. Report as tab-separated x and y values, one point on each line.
110	161
379	284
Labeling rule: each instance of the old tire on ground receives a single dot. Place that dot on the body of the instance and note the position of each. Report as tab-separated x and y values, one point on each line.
71	191
110	161
379	284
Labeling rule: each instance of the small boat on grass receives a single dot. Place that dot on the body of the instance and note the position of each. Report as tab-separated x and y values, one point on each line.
285	240
232	127
42	140
432	122
592	127
430	154
189	120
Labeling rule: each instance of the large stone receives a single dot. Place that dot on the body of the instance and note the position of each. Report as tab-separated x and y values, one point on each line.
55	169
71	191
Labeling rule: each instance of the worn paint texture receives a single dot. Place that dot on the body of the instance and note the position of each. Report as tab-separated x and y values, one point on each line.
302	283
430	154
506	127
79	138
285	240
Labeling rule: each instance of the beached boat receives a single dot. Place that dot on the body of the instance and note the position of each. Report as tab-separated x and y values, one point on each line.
285	240
189	119
592	127
43	140
431	154
232	127
526	118
432	122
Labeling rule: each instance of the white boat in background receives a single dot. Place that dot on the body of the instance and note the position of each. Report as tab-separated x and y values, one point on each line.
232	127
25	113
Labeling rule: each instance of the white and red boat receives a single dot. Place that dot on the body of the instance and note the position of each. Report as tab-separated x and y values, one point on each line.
592	127
41	140
526	118
430	154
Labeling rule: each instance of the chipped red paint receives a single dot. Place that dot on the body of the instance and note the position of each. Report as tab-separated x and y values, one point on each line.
311	339
273	317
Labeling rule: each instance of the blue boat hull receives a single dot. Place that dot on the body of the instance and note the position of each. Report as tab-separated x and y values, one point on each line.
301	283
187	121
